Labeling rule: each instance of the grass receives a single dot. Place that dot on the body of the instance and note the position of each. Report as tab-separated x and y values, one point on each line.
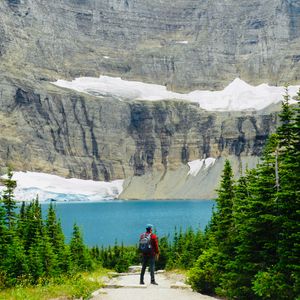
80	285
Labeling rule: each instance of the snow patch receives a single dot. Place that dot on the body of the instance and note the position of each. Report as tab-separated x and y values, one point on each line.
196	165
51	187
237	96
181	42
209	162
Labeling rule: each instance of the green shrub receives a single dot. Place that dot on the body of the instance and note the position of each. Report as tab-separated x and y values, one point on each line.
203	277
271	284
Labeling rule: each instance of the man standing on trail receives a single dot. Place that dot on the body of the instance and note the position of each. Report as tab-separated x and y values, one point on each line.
148	246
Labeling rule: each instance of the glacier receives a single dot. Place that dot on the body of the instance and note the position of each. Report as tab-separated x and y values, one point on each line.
48	187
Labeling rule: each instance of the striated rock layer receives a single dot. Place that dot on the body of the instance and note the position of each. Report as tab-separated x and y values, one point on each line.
77	135
183	44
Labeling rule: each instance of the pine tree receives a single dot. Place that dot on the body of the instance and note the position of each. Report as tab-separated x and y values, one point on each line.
8	199
3	245
48	255
79	255
224	221
32	223
21	221
164	253
56	238
35	260
256	227
206	275
3	232
286	131
199	243
288	198
266	213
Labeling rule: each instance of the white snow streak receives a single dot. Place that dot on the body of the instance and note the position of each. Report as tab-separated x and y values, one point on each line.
237	96
181	42
196	165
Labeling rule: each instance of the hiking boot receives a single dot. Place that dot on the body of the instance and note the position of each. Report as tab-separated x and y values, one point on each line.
154	282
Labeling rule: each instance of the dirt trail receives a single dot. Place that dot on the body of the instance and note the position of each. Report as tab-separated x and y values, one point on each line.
126	287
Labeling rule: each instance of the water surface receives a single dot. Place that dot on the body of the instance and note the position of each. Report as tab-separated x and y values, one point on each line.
102	223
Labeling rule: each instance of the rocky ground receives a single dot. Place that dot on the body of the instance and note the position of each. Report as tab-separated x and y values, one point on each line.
126	286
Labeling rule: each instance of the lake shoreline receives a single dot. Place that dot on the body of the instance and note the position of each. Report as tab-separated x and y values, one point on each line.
120	200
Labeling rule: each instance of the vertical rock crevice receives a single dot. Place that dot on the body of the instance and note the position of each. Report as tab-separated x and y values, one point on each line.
141	129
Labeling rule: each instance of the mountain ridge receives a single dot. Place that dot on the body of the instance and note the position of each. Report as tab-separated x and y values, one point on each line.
182	45
257	41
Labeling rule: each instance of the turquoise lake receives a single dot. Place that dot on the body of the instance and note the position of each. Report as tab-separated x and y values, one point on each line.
102	223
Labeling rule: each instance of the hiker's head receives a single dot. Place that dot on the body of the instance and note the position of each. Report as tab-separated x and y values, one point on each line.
149	227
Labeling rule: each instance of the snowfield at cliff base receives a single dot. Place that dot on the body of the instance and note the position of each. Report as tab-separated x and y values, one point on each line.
237	96
55	188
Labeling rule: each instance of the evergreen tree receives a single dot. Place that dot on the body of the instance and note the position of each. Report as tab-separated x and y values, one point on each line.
48	256
8	199
286	131
3	233
35	260
283	278
32	223
256	227
199	244
266	220
209	268
14	263
56	238
205	274
79	255
288	201
163	253
21	222
224	221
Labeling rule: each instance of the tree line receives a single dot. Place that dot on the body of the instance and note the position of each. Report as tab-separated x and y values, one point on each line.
180	252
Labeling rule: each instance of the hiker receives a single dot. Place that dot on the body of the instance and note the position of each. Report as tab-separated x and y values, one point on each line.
149	249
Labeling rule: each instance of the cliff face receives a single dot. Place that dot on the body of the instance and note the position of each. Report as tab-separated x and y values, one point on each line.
182	44
82	136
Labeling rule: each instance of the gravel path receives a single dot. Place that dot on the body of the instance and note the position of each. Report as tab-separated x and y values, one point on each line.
126	287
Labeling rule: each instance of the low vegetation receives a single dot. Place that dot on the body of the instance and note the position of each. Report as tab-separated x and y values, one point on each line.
63	287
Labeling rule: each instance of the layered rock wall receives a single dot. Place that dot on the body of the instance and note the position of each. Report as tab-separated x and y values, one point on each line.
76	135
182	44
